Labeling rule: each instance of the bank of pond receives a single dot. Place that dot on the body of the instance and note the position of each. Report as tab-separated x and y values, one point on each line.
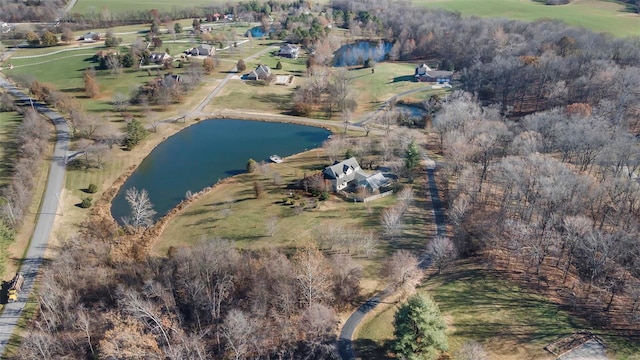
207	152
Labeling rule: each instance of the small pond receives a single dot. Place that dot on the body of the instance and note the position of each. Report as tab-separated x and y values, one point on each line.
207	152
358	52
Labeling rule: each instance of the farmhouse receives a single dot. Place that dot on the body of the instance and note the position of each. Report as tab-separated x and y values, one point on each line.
289	50
90	36
159	57
426	74
262	72
348	173
202	50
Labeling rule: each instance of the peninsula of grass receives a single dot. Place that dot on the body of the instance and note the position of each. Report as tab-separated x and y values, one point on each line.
597	15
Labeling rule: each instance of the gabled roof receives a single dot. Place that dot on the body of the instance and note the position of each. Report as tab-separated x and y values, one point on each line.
263	70
289	48
376	181
340	169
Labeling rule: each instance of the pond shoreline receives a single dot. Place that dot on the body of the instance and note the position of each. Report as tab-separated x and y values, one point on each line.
101	210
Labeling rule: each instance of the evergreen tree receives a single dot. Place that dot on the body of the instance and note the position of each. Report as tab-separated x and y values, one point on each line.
419	329
412	156
135	133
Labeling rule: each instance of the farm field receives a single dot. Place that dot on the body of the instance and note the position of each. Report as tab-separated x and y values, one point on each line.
511	322
116	6
596	15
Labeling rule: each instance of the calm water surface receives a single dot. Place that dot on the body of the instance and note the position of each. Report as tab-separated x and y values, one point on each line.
204	153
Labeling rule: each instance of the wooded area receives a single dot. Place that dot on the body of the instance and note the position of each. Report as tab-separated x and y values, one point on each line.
539	172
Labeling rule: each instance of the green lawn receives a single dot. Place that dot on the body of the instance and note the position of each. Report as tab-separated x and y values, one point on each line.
511	322
596	15
116	6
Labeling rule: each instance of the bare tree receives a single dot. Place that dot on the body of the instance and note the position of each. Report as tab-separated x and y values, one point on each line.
313	274
142	212
391	220
271	224
238	330
441	250
402	270
472	350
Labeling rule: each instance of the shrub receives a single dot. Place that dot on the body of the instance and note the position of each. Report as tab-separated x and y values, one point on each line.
279	65
241	66
86	203
92	188
324	196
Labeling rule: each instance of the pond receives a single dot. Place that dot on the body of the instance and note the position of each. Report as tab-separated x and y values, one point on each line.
207	152
358	52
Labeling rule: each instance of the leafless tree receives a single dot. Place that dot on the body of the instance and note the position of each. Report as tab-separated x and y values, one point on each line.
402	270
472	350
346	277
114	65
313	276
441	251
238	330
142	212
271	224
391	220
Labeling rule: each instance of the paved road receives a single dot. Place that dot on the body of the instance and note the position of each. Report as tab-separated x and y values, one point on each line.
345	343
46	217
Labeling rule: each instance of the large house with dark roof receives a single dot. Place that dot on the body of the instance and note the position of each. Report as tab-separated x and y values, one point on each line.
348	173
289	50
262	72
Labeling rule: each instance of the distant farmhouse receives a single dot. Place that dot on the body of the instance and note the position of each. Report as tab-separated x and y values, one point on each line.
90	36
348	175
262	72
289	51
426	74
159	57
202	50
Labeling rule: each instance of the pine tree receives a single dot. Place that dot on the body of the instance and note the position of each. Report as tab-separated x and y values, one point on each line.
412	156
419	329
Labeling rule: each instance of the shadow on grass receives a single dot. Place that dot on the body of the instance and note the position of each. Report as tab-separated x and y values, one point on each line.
372	350
403	78
503	310
282	101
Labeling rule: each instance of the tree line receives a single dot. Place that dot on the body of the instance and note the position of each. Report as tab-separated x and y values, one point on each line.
553	193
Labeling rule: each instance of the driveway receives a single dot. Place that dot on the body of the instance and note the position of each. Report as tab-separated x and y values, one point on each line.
345	343
48	212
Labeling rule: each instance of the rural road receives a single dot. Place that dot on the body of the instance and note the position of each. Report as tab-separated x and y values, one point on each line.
48	211
345	343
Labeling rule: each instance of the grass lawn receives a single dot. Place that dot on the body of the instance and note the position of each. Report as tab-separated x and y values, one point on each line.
9	121
511	322
118	6
596	15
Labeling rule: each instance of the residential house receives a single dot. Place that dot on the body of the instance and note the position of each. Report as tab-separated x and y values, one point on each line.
348	173
159	57
202	50
90	36
262	72
426	74
170	80
289	50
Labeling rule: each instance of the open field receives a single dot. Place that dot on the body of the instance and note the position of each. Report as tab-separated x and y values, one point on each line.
596	15
511	322
118	6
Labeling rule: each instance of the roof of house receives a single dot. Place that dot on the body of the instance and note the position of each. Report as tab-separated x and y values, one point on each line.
205	46
289	48
263	70
422	68
340	169
439	74
376	181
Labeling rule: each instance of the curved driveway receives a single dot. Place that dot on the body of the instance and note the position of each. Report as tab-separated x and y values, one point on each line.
48	211
345	343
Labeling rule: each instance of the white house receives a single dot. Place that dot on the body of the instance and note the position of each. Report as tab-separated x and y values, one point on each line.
202	50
